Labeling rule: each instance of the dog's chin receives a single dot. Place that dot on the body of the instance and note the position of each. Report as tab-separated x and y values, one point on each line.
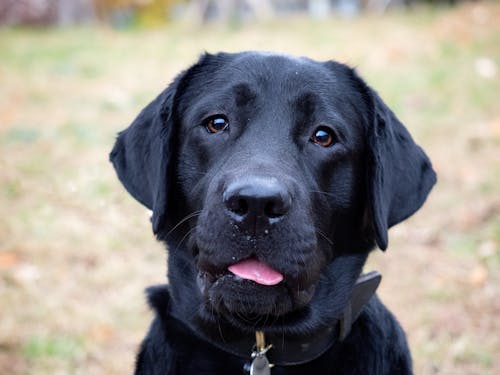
246	303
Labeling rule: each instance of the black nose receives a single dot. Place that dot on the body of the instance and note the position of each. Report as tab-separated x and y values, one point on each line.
257	201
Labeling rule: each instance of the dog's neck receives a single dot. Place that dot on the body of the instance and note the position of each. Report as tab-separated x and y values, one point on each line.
285	349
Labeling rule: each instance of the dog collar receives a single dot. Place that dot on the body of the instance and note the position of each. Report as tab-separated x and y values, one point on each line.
286	350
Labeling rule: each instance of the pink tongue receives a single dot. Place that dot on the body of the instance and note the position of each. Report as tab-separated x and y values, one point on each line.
252	269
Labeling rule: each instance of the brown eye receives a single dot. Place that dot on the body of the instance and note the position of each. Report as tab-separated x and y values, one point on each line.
216	124
323	136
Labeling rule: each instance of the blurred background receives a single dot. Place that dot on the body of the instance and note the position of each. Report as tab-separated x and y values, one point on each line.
76	251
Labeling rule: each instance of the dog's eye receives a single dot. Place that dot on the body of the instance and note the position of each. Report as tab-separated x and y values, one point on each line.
216	124
323	136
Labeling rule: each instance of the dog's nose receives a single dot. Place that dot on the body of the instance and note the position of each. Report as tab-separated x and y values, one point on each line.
257	200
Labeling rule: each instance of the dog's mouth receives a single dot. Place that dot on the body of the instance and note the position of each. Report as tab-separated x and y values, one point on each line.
250	269
250	289
257	271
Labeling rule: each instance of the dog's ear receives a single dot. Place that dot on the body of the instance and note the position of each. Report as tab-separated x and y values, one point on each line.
142	154
400	174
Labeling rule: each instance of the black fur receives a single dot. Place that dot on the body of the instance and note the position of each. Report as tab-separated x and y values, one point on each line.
263	189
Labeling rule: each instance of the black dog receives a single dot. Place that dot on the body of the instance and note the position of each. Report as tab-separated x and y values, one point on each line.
271	178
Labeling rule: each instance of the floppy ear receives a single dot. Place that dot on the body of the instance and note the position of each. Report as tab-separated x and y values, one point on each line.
142	155
400	174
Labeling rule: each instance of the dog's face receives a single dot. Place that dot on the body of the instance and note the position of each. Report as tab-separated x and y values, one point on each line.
271	158
264	172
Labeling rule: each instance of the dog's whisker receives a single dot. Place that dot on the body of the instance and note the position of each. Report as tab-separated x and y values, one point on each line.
182	221
186	235
322	192
322	234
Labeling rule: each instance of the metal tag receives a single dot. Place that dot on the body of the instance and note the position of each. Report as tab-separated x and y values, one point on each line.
260	365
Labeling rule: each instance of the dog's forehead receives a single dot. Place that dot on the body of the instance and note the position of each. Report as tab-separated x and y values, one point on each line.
278	71
277	79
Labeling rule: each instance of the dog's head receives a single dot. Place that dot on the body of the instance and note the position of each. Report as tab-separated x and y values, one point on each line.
270	177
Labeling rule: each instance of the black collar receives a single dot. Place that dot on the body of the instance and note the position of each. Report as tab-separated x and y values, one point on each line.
295	350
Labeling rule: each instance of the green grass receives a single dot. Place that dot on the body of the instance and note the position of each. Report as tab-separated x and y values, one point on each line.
39	347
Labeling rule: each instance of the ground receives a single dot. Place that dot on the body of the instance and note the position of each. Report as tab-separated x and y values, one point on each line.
76	251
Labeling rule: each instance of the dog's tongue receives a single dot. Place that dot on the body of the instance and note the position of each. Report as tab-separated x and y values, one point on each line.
255	270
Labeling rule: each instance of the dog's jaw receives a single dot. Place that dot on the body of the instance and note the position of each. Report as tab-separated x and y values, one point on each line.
232	296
